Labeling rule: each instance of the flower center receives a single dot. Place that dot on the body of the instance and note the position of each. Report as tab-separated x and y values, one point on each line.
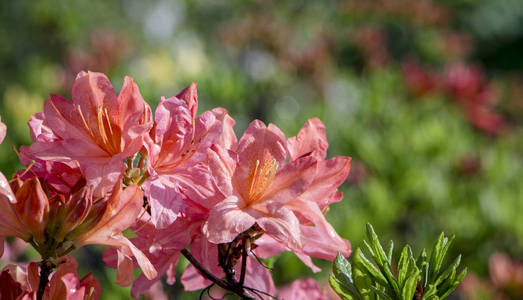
105	133
260	177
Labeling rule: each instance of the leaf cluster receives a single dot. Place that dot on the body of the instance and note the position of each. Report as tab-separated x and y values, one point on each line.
410	279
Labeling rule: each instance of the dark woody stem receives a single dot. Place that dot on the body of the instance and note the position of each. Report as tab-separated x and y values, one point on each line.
46	268
234	288
244	262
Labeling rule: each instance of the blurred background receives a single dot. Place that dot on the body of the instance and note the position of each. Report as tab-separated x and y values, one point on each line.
425	96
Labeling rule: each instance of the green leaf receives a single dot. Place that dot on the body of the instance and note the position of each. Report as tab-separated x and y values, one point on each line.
382	294
342	269
449	287
435	254
386	270
362	263
408	290
403	265
425	274
391	249
450	270
341	289
379	254
363	282
422	258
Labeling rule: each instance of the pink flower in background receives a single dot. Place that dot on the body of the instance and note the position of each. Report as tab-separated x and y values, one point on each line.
176	149
3	130
306	288
21	282
98	129
257	182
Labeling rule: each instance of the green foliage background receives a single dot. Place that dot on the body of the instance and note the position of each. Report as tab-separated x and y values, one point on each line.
286	62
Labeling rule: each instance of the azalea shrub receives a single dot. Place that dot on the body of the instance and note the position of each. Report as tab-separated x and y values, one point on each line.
103	169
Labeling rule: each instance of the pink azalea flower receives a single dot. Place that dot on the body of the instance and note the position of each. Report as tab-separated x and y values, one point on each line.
18	282
257	182
177	146
306	206
98	129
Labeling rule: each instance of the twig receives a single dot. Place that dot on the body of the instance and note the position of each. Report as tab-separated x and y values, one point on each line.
238	290
46	268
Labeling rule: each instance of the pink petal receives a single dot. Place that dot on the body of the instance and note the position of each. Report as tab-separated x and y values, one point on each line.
292	180
260	142
207	255
92	90
222	164
165	199
330	175
227	219
282	225
310	140
228	138
259	277
302	289
133	112
190	96
124	275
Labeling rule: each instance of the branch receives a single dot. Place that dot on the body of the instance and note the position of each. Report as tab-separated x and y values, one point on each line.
238	290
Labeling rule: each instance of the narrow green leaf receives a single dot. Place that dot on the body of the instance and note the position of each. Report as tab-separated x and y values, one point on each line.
386	270
379	254
449	286
382	294
408	290
422	258
369	248
403	265
342	290
389	252
450	270
342	269
425	274
429	292
361	262
442	253
435	254
363	281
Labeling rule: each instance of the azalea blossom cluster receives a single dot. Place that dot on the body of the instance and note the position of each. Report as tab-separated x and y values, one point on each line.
181	181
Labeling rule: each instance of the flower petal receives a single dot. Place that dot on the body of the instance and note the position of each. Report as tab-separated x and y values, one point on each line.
227	219
282	225
310	140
